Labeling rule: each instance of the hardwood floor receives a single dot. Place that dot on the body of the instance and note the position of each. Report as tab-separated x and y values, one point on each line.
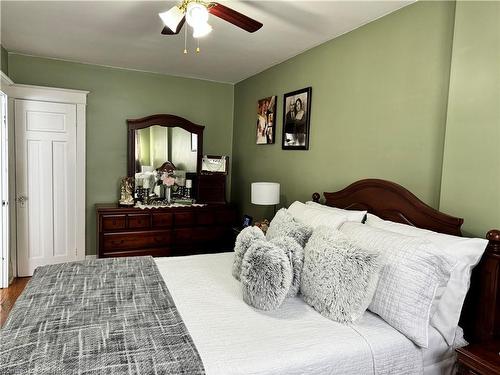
8	297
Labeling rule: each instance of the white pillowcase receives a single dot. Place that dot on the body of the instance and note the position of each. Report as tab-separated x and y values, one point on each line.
314	217
412	273
465	251
352	215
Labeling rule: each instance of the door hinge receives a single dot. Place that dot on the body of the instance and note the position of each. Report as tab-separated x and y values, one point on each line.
76	251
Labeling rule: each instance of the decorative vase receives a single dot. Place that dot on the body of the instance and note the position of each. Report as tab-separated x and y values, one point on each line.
168	195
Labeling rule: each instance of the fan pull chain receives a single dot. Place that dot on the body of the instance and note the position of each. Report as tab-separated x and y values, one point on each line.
185	40
198	48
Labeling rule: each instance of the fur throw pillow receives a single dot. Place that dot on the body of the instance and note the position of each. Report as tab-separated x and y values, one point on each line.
338	278
266	275
295	254
284	225
244	240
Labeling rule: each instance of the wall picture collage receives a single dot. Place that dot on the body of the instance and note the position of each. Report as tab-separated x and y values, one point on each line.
296	120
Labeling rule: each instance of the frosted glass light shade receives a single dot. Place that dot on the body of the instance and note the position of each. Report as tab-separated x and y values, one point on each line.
265	193
196	14
201	30
172	17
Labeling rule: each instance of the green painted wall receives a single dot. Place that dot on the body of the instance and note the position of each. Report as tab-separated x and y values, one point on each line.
4	60
379	97
471	169
118	94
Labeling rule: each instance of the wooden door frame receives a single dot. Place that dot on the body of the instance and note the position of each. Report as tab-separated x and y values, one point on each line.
56	95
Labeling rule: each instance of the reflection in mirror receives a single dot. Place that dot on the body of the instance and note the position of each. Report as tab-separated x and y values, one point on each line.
157	144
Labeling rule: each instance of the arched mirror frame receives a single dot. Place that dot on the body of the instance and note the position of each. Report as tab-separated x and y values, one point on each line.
165	120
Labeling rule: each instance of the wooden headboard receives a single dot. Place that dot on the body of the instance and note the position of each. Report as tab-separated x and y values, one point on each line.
390	201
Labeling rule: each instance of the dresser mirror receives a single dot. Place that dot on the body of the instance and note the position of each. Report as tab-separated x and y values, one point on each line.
157	139
156	144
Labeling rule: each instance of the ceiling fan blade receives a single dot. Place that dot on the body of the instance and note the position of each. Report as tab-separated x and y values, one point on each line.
167	31
234	17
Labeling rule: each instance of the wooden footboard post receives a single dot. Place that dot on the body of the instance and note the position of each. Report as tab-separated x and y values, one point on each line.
485	321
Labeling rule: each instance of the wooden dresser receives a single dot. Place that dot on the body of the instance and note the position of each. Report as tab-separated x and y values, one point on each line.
164	231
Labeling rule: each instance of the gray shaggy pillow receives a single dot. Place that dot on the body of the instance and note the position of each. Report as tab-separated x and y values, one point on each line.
295	253
244	240
266	276
284	225
338	278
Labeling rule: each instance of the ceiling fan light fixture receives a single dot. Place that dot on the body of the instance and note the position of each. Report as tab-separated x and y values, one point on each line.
196	15
172	17
201	30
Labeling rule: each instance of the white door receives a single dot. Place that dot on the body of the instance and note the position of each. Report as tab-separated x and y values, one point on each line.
45	135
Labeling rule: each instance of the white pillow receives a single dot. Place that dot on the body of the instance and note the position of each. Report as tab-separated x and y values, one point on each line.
314	217
352	215
412	273
465	251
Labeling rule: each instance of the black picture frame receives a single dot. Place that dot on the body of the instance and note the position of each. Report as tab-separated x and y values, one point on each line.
296	133
247	221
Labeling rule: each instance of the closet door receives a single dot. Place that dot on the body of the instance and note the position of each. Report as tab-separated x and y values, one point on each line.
45	183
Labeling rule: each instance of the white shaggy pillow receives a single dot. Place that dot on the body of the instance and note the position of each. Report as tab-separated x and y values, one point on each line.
244	240
295	254
266	276
284	225
338	278
411	275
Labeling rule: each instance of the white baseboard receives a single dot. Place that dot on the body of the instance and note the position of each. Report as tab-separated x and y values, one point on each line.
87	257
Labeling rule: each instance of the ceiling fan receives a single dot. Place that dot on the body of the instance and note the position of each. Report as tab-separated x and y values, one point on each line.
196	12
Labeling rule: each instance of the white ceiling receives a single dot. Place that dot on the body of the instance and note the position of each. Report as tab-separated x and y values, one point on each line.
126	34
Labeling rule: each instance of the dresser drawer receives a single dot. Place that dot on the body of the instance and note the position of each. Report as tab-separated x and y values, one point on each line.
155	252
225	216
112	222
136	240
205	218
184	218
137	221
184	235
162	220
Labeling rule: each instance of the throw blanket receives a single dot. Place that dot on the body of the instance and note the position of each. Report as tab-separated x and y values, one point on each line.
105	316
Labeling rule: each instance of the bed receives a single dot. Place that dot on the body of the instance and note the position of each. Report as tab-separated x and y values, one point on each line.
211	330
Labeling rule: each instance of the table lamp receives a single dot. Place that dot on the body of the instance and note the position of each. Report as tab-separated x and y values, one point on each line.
266	194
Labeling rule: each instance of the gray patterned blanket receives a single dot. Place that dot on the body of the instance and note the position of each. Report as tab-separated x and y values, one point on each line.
105	316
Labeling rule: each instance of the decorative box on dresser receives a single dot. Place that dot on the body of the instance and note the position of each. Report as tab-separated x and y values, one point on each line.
164	231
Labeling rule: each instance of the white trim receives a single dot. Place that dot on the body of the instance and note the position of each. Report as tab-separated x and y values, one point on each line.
4	193
5	80
90	257
47	94
12	191
80	180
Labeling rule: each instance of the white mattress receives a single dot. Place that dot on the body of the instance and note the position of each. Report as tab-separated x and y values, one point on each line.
234	338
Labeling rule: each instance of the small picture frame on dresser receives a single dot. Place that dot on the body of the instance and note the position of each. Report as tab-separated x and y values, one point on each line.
247	221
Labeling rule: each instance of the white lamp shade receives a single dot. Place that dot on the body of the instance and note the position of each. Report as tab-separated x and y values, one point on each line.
265	193
172	17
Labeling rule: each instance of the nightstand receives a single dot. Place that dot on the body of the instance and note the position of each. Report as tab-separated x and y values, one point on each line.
481	358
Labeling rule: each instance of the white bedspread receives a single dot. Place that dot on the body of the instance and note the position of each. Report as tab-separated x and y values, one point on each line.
234	338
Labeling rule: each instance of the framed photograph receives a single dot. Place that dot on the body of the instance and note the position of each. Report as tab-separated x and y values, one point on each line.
247	221
266	120
296	119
